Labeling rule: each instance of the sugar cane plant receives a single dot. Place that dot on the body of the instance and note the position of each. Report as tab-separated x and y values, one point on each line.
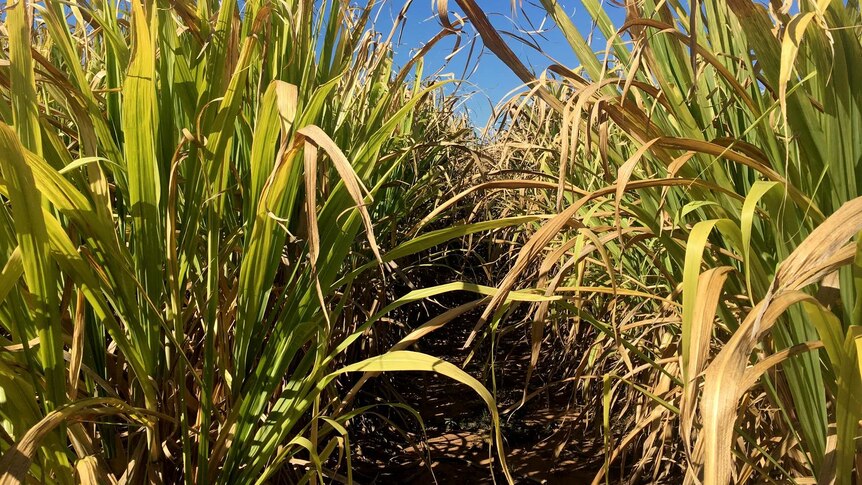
205	204
704	162
189	199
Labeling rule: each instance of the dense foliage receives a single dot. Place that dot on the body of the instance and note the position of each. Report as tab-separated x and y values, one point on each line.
209	207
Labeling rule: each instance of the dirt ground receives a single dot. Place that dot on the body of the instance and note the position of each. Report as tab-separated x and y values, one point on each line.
540	447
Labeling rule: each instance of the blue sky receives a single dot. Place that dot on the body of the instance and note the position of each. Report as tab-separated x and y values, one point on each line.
492	80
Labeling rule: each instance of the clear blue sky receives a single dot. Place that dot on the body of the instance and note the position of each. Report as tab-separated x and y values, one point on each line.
492	80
